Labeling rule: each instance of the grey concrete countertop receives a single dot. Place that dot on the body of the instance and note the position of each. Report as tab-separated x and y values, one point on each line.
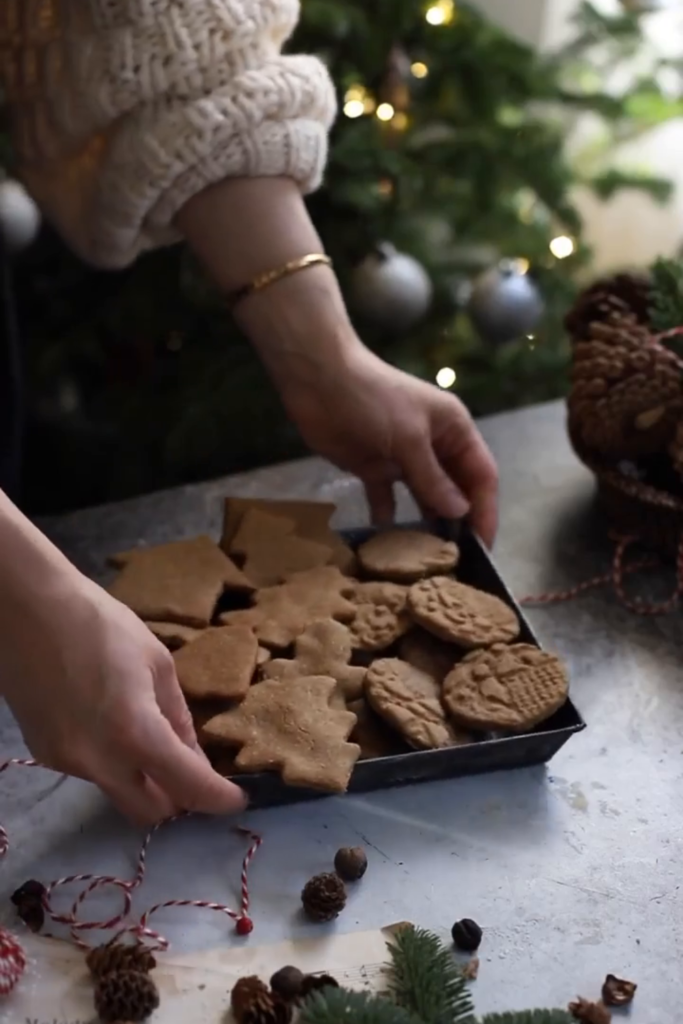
573	871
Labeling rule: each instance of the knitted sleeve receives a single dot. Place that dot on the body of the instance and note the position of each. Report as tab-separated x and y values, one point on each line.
122	110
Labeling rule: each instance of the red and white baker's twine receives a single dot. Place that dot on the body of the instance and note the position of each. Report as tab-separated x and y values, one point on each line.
12	956
616	577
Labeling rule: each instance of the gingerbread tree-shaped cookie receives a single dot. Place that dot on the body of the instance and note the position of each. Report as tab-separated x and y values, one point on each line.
292	727
324	648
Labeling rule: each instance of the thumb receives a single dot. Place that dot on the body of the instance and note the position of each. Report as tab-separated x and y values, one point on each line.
186	776
430	485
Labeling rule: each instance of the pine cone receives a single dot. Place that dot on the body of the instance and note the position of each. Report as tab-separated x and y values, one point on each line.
126	996
114	956
324	897
253	1003
676	449
627	392
622	294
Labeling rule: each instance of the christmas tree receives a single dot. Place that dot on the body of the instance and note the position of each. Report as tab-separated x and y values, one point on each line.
448	211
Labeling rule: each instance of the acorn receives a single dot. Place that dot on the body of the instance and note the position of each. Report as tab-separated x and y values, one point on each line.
288	983
351	863
467	935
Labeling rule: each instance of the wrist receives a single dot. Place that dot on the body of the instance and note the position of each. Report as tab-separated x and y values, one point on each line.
35	577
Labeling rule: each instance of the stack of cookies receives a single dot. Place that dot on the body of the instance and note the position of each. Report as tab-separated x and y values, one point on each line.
301	656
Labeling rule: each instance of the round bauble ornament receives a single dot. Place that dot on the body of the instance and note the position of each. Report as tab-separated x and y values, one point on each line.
390	289
19	216
505	303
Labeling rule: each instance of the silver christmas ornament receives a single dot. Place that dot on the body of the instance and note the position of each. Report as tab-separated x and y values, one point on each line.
19	216
505	303
390	289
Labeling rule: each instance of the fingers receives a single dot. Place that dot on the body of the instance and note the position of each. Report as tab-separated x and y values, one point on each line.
435	492
186	776
467	459
138	798
172	703
381	501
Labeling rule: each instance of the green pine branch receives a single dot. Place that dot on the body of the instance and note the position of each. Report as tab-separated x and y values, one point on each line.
666	303
332	1005
425	979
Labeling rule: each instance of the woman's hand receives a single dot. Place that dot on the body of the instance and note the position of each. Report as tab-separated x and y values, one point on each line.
384	426
95	694
364	415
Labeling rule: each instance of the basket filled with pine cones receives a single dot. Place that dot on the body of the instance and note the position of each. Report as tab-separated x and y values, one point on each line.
625	405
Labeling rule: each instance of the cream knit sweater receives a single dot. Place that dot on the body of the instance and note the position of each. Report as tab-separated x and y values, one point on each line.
122	110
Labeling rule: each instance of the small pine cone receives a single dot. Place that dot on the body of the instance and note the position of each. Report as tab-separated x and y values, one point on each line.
587	1012
316	983
252	1002
126	996
627	392
623	294
324	897
114	956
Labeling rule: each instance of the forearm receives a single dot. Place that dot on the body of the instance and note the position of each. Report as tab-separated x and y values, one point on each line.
299	325
33	572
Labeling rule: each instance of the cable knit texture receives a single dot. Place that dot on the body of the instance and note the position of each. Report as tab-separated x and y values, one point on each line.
122	110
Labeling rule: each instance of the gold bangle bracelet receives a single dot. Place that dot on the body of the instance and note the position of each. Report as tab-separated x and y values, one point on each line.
271	276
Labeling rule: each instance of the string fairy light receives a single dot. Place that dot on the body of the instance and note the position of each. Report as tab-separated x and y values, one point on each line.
562	247
355	99
446	377
418	69
385	112
440	13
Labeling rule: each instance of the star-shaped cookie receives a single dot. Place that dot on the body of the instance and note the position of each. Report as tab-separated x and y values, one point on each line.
282	613
294	728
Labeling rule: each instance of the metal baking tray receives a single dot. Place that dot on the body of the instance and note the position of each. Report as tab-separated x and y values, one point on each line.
489	754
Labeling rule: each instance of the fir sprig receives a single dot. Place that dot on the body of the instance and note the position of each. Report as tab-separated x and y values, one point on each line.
425	987
424	978
334	1005
666	298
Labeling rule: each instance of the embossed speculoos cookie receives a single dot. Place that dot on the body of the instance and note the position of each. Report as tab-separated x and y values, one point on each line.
373	735
282	613
410	701
219	664
293	727
381	616
407	555
178	582
514	687
323	649
426	652
460	614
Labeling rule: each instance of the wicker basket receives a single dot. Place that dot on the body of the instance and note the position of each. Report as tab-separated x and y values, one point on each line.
635	509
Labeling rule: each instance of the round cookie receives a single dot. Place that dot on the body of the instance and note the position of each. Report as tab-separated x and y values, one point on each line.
407	555
380	615
460	614
409	701
506	687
